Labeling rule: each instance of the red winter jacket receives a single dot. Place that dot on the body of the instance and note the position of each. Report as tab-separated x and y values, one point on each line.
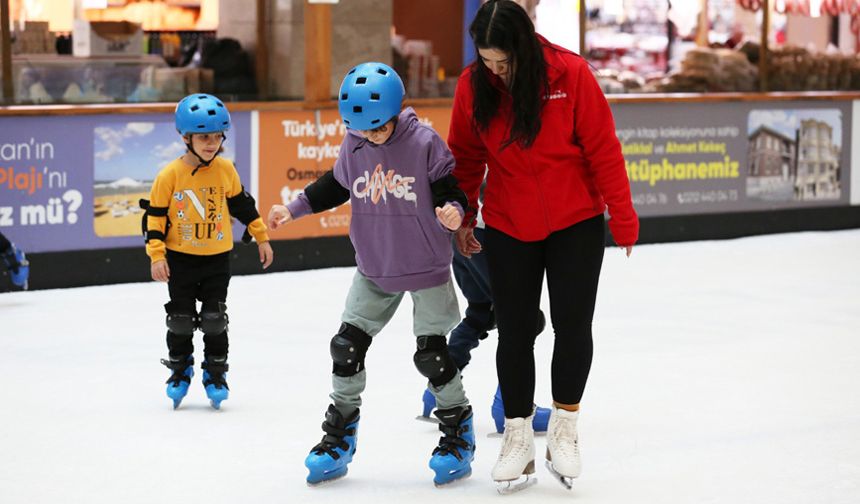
572	172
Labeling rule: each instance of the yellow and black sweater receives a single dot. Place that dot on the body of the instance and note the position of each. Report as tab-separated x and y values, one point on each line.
192	213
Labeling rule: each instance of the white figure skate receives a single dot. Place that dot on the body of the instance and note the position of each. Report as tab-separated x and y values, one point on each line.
515	467
562	446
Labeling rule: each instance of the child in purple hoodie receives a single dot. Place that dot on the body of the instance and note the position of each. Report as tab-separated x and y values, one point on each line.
396	172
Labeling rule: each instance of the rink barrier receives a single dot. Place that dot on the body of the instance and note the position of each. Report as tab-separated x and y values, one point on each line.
54	270
689	158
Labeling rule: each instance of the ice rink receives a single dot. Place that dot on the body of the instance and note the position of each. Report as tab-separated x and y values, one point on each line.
724	372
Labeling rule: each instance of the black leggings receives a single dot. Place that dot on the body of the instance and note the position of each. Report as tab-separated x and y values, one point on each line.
571	259
192	278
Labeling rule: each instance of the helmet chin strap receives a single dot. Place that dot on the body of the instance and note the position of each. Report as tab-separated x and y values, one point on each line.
203	163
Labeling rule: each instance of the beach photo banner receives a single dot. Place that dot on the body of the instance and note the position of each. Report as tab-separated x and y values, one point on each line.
74	182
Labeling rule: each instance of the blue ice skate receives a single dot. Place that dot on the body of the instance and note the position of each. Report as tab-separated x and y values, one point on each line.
177	384
452	459
215	380
19	266
328	460
539	424
429	404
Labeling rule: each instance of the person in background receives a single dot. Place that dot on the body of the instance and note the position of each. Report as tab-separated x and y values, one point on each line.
531	116
16	262
473	279
189	236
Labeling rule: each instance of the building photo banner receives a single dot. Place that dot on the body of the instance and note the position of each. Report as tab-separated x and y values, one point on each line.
730	157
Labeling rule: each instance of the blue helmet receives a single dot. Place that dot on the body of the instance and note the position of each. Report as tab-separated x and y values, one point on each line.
370	95
201	113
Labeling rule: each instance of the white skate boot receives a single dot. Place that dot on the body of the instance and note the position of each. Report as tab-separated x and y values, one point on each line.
562	446
515	466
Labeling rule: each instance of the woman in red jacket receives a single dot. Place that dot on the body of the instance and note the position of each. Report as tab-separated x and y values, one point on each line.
531	116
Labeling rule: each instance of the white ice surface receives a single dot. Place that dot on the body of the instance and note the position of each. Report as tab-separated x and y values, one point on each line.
724	372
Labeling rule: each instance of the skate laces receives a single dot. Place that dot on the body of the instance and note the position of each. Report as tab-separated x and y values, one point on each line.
333	438
178	367
514	438
216	372
563	434
452	439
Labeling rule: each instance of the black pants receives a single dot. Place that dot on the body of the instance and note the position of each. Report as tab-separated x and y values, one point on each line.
193	278
571	259
4	243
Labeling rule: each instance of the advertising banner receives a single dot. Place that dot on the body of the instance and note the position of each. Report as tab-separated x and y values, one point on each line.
296	148
694	158
73	182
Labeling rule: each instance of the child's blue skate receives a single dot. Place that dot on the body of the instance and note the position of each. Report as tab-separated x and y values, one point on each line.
452	459
177	384
329	459
215	380
540	422
18	265
429	405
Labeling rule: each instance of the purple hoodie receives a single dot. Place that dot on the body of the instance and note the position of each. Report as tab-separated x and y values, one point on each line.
399	243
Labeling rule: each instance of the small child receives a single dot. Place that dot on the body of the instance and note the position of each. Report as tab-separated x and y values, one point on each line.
473	277
396	173
15	261
189	236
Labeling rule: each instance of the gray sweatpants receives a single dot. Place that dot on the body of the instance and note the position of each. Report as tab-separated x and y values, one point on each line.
370	308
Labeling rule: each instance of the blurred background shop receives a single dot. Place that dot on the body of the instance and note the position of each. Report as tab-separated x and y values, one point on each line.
127	51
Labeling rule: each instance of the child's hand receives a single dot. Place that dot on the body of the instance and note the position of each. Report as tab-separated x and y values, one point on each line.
279	215
266	254
449	216
160	271
466	242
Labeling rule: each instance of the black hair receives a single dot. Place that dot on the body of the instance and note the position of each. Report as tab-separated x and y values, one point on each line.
505	26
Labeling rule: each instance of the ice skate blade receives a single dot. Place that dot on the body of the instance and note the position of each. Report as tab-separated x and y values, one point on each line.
327	481
517	485
452	481
427	419
216	405
566	481
176	403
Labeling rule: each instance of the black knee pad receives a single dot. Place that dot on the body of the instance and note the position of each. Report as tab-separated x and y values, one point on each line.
348	348
433	361
181	319
212	321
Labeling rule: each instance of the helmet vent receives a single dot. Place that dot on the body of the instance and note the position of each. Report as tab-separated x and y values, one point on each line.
351	71
356	109
361	80
212	112
344	96
374	96
382	71
375	121
195	108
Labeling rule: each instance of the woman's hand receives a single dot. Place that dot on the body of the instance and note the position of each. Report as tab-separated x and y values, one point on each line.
466	242
449	216
160	271
279	215
266	254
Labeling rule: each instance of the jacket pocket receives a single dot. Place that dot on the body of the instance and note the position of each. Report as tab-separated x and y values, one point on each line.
390	245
